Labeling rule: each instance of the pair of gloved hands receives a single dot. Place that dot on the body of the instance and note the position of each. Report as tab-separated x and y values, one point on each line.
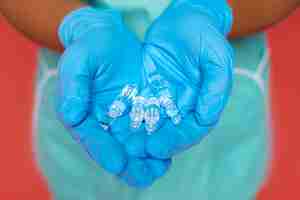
187	45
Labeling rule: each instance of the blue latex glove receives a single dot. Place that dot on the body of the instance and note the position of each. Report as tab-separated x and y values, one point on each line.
101	57
187	44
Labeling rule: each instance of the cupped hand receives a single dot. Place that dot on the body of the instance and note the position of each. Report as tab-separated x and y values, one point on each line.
101	57
188	46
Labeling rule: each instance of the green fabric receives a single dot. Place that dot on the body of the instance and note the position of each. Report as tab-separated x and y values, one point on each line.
229	164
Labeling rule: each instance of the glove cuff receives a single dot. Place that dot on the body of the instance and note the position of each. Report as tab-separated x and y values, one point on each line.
218	10
81	21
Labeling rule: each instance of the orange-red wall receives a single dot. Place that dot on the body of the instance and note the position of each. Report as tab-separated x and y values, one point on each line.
19	178
284	180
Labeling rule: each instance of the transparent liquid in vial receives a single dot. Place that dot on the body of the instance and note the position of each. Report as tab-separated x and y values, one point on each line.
137	112
152	114
161	89
122	102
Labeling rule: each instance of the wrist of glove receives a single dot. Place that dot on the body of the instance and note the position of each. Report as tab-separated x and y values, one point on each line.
218	12
78	23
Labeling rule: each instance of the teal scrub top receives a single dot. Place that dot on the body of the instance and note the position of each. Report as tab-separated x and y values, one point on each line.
230	163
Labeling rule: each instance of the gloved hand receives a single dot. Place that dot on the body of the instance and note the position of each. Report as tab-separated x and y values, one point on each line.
187	45
101	57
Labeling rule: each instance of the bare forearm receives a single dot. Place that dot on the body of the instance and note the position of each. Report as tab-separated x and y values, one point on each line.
38	19
255	15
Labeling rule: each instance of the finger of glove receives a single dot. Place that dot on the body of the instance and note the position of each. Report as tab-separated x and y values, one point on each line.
73	86
158	167
132	139
137	173
101	146
121	128
135	144
172	139
217	81
142	173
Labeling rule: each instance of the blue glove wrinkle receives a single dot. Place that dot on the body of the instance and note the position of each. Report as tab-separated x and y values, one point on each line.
74	94
182	86
163	57
215	90
69	115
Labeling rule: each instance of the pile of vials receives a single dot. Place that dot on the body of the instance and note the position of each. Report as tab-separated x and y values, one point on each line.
145	109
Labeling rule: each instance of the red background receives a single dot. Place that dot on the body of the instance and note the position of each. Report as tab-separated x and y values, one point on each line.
19	178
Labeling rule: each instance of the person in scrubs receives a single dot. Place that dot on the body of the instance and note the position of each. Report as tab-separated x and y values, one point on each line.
85	162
